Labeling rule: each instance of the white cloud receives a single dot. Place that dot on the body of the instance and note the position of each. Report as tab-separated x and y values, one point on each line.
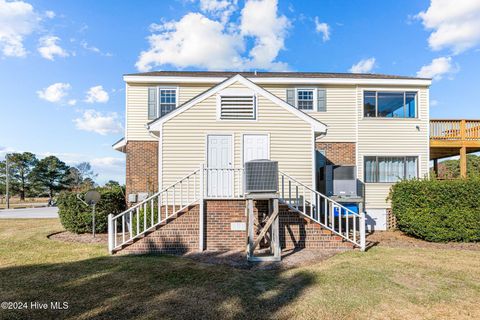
363	66
55	92
49	48
438	68
91	48
194	40
17	20
50	14
323	28
198	41
107	162
219	8
455	24
96	94
261	21
72	102
433	103
94	121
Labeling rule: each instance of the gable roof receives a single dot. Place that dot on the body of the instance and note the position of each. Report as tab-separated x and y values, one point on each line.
317	125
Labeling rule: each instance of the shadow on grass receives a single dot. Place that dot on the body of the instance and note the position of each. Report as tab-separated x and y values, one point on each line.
151	287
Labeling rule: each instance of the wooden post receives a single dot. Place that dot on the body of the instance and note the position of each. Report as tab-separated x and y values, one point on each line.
250	228
276	231
463	162
435	167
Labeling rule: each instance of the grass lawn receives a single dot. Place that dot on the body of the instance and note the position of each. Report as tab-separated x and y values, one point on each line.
401	283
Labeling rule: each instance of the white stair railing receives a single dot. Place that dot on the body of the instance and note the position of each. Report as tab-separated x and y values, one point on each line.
155	210
223	183
328	213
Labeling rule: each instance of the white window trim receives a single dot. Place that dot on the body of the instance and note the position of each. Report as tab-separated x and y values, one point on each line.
393	156
159	88
236	92
405	90
315	98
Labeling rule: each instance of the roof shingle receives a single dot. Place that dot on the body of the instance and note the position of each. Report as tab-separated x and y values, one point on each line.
272	74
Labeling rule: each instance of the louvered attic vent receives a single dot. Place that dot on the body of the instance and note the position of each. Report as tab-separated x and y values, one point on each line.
237	107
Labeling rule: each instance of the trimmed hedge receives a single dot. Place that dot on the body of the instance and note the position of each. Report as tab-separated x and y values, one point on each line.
76	217
438	211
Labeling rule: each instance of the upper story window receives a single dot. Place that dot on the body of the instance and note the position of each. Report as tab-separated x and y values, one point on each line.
168	100
237	107
307	99
390	169
161	101
396	104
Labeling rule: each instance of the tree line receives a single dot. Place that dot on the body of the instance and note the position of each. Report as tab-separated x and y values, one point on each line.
450	169
30	176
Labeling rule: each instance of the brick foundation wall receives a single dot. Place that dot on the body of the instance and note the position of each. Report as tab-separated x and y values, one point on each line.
339	153
181	235
176	237
142	166
220	214
297	232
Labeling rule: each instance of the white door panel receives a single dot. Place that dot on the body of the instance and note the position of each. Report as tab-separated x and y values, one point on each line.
255	146
219	158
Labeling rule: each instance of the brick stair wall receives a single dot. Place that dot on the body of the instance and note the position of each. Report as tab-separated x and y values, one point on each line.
181	235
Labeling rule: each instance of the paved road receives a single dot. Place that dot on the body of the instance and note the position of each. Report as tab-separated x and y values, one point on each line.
30	213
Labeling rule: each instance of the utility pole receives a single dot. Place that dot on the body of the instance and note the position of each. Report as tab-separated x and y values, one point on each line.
7	180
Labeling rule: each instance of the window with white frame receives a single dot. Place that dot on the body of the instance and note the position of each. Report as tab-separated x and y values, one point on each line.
390	169
237	107
168	100
305	99
161	101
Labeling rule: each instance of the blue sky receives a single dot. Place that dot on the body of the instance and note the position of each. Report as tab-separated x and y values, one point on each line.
61	62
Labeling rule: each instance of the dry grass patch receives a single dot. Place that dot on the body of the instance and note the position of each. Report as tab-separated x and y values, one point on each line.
384	283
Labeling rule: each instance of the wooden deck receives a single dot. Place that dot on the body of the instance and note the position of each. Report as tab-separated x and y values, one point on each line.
450	137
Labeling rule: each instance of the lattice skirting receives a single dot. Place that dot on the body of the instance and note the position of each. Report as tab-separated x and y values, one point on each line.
391	220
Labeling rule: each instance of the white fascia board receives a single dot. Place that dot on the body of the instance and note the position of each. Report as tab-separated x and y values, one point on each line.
278	80
317	126
172	79
410	82
120	145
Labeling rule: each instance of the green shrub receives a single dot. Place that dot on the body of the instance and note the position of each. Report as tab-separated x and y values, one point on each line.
76	217
437	210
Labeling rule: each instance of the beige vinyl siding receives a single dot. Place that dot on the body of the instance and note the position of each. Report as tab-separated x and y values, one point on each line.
340	116
184	138
392	137
137	108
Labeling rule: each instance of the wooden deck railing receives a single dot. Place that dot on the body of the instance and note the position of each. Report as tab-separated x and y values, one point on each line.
455	129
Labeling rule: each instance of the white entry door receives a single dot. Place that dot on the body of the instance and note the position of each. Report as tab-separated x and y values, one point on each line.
219	159
255	146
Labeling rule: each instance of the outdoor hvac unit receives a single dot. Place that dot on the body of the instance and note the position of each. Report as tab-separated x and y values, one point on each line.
340	181
261	176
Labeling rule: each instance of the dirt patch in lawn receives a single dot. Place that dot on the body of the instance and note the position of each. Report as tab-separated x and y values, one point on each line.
238	259
397	239
67	236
